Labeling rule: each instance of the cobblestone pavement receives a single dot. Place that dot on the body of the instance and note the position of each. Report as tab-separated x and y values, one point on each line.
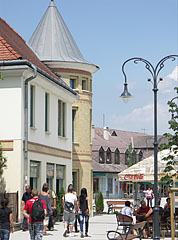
98	227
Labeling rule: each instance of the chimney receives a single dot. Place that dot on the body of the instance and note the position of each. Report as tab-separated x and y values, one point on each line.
93	131
106	133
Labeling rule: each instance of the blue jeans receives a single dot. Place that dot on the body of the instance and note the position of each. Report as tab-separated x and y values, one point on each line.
4	234
149	202
82	216
36	230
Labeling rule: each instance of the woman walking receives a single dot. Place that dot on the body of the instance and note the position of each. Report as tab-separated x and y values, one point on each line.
6	219
84	211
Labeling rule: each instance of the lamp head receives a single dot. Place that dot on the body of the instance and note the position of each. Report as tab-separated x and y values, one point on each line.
125	95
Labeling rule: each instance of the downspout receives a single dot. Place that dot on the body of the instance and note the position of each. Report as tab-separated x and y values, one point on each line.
26	125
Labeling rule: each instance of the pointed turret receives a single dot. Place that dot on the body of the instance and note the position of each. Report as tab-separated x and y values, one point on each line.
53	42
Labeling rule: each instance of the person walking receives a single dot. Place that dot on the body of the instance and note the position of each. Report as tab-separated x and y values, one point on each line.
6	219
70	209
52	197
26	196
84	211
149	196
35	211
44	196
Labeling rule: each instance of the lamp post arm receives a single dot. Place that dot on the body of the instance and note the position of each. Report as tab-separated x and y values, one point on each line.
160	64
148	65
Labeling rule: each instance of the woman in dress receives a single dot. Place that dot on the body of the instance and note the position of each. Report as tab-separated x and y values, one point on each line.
6	219
84	211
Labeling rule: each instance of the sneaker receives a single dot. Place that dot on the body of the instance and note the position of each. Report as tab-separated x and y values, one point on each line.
65	233
71	235
77	231
86	234
82	236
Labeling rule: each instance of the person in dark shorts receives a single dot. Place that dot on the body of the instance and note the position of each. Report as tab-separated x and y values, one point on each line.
26	196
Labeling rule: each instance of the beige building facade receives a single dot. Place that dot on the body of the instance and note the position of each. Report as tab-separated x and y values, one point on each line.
55	46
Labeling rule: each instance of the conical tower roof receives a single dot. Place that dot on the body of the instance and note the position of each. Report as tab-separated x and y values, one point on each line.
52	40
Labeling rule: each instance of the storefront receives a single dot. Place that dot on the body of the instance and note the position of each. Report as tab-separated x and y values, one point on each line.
140	176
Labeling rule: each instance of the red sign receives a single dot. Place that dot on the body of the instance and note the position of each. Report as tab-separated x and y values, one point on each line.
134	176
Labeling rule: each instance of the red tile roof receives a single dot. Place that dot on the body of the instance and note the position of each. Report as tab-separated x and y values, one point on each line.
13	46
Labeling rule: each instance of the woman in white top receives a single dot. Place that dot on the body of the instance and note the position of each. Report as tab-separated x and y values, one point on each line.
149	197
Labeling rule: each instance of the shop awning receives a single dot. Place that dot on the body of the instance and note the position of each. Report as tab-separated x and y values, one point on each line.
143	171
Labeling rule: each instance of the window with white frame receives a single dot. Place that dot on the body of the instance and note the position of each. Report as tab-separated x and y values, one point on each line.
101	155
61	118
32	106
108	155
117	156
47	113
73	83
84	84
50	175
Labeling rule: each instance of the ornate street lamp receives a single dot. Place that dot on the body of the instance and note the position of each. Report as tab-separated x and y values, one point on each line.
154	71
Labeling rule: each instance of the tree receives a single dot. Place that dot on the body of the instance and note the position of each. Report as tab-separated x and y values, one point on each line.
3	161
131	156
172	144
99	202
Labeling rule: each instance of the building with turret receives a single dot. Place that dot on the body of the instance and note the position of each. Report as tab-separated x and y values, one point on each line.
56	48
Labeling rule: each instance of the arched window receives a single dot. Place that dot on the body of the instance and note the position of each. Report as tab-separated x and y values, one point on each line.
101	155
108	155
126	157
117	156
140	156
134	157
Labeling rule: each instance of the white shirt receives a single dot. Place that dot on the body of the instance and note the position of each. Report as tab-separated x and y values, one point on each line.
127	211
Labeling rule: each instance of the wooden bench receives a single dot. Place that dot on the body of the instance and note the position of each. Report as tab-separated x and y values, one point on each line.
116	205
135	231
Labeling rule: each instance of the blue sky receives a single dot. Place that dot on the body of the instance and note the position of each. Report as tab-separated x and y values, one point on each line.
108	32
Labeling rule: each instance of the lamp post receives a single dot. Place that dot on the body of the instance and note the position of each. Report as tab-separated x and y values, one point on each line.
154	71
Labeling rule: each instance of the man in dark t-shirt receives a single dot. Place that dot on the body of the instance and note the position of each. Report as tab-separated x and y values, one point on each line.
26	196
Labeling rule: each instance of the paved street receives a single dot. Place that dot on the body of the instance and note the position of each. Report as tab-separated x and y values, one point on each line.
99	225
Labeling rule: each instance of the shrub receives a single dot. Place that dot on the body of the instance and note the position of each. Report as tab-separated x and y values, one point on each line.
99	202
59	206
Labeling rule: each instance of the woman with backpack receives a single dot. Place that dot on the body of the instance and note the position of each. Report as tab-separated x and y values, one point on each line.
84	211
5	220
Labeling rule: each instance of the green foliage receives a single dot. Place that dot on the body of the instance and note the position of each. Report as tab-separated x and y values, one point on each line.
131	157
172	144
3	161
1	77
59	205
99	203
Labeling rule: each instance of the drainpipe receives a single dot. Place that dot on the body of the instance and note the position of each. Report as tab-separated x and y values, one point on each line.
26	125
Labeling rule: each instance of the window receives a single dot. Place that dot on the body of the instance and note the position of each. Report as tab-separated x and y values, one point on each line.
140	156
101	155
50	174
46	112
73	83
34	174
84	84
73	124
134	157
110	185
108	155
32	106
117	156
61	118
60	170
126	157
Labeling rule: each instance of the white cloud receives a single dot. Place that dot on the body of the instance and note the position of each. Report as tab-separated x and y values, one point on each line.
142	118
174	74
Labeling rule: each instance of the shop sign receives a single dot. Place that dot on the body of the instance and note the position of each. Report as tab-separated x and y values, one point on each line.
134	176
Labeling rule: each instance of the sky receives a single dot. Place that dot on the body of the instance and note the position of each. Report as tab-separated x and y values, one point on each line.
109	32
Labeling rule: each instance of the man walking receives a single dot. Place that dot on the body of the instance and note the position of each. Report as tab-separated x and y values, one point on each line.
70	209
37	212
26	196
